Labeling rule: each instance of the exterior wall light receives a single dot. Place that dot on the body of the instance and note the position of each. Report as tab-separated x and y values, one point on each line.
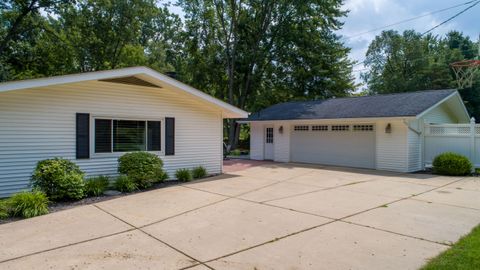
388	128
280	130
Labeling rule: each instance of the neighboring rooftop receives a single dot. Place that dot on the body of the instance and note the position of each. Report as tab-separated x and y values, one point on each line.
388	105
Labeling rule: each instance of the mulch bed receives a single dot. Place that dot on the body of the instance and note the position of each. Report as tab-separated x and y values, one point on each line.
59	206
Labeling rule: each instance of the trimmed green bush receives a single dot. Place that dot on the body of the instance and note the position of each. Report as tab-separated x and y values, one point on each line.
449	163
28	204
183	175
59	179
96	186
199	172
143	168
124	184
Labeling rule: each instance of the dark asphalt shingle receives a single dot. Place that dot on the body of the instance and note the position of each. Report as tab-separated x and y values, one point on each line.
389	105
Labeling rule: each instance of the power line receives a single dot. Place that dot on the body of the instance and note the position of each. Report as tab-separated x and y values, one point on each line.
475	2
410	19
414	59
451	18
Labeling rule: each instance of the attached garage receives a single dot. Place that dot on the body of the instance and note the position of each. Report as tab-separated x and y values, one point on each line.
381	132
351	145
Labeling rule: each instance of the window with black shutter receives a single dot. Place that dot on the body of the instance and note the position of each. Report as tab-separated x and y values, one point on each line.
116	135
153	136
103	135
82	135
169	136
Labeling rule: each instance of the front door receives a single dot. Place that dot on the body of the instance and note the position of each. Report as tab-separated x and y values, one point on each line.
268	143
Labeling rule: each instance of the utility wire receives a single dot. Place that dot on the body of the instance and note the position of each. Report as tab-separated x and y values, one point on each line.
451	18
475	2
413	60
410	19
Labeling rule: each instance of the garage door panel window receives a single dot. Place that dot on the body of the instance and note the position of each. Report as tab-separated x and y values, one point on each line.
301	128
340	127
362	127
320	128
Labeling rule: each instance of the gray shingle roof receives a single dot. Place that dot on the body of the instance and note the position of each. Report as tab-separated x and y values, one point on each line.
389	105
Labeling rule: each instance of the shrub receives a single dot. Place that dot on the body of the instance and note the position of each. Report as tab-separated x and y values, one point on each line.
450	163
28	204
4	209
162	176
123	183
59	179
143	168
96	186
199	172
183	175
236	152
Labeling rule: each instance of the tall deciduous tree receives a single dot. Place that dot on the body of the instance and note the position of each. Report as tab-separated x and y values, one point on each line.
253	53
412	62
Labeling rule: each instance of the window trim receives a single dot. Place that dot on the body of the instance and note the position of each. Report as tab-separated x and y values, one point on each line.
125	118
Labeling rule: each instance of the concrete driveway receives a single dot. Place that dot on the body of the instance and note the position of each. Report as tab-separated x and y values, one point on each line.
272	216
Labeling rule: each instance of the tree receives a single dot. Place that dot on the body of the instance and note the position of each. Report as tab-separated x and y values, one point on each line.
253	53
412	62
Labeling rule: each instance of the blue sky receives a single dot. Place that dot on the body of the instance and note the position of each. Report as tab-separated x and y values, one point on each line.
365	15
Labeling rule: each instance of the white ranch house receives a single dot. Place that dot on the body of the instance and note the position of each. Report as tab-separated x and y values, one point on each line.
93	118
385	132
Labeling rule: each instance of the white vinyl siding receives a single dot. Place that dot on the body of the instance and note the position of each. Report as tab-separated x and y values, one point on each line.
414	151
256	141
36	124
392	148
439	115
282	142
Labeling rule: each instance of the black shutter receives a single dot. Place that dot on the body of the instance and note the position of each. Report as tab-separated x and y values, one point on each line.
169	136
83	135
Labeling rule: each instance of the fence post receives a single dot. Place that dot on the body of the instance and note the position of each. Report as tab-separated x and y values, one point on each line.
422	141
472	140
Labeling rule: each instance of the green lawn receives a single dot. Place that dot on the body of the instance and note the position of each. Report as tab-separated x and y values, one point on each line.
464	255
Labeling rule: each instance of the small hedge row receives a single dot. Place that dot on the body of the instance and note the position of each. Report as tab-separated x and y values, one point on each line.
186	175
59	179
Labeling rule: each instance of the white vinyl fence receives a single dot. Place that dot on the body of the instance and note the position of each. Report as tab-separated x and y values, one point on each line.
463	139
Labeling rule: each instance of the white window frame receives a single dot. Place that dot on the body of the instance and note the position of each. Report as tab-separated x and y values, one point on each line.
126	118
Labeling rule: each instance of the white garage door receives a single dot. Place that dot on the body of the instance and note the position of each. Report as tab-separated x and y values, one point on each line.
341	145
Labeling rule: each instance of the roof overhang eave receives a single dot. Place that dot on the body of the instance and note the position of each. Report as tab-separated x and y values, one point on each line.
362	119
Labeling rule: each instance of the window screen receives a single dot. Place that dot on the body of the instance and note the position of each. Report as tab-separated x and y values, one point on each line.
103	135
128	136
153	136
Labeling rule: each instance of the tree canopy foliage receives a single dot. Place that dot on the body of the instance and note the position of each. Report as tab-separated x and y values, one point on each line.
408	61
249	53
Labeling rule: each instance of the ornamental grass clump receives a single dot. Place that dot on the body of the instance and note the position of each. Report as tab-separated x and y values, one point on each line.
199	172
28	204
96	186
183	175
